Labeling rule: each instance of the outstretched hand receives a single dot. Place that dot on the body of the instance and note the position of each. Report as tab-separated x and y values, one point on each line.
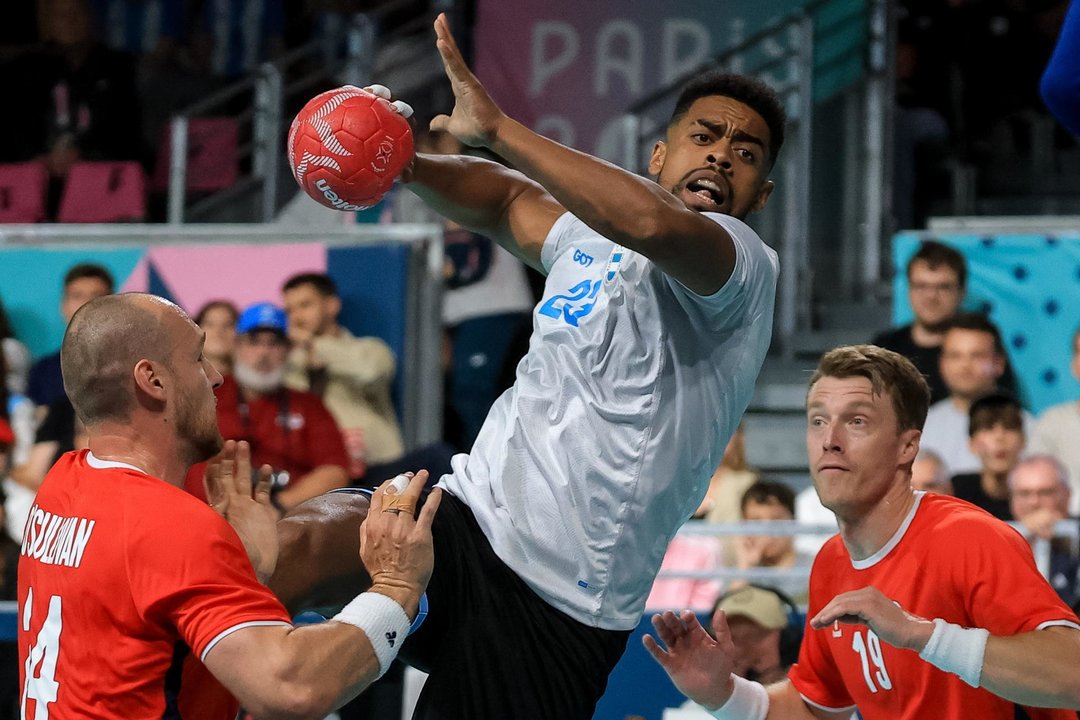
475	117
870	607
396	545
699	666
247	508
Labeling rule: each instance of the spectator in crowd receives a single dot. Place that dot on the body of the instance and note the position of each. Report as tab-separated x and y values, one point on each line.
288	430
77	98
1039	498
18	413
60	431
16	357
768	501
937	279
723	499
996	430
82	283
929	474
217	319
352	375
1057	432
972	363
1060	84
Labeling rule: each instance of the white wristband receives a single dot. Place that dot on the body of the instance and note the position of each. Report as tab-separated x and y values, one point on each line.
749	701
957	650
383	621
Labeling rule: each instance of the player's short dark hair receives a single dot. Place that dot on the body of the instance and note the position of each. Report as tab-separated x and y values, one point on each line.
764	492
996	408
977	322
748	90
888	372
320	281
89	270
937	255
1075	340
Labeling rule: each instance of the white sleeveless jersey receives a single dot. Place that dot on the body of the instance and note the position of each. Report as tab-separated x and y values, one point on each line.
622	407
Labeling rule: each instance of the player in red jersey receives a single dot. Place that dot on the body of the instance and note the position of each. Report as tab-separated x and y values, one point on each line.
124	576
923	606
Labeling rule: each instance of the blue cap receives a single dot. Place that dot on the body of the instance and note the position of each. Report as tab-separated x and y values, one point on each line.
261	316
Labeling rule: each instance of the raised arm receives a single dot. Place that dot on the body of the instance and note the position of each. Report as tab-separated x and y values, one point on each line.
279	671
487	198
620	205
701	666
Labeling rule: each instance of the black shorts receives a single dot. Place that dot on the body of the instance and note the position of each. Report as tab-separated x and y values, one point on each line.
493	648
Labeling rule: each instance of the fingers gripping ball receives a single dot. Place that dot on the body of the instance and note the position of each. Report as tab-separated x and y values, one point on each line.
346	147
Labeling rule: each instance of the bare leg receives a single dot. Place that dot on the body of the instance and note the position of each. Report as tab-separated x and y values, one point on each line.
319	559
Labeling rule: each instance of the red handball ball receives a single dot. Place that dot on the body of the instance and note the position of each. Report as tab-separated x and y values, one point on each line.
346	147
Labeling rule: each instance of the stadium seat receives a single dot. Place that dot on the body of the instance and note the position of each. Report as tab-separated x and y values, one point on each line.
102	192
22	192
213	161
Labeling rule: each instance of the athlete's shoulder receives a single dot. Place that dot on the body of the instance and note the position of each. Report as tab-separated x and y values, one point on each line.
956	524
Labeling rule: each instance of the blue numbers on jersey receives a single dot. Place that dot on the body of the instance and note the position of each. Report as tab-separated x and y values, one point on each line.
575	304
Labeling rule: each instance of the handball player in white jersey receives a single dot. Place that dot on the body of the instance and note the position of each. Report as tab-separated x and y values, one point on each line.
655	319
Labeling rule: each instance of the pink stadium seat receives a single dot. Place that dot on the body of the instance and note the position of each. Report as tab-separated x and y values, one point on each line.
213	162
101	192
22	192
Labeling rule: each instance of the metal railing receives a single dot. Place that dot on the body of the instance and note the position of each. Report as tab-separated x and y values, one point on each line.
345	56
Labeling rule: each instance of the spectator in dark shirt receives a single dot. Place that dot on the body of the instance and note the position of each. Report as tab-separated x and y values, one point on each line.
996	428
82	283
937	279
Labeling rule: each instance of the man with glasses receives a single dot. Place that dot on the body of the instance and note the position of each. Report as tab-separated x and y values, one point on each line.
937	279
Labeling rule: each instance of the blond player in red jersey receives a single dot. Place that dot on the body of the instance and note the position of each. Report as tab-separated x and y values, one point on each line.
922	607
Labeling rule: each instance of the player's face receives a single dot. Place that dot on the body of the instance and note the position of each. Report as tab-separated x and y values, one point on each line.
308	311
79	292
195	405
934	293
970	365
715	158
998	447
856	450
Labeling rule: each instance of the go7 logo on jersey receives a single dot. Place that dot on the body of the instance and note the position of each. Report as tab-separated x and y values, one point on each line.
575	304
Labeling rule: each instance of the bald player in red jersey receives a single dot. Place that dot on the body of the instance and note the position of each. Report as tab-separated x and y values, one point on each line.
127	583
923	606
